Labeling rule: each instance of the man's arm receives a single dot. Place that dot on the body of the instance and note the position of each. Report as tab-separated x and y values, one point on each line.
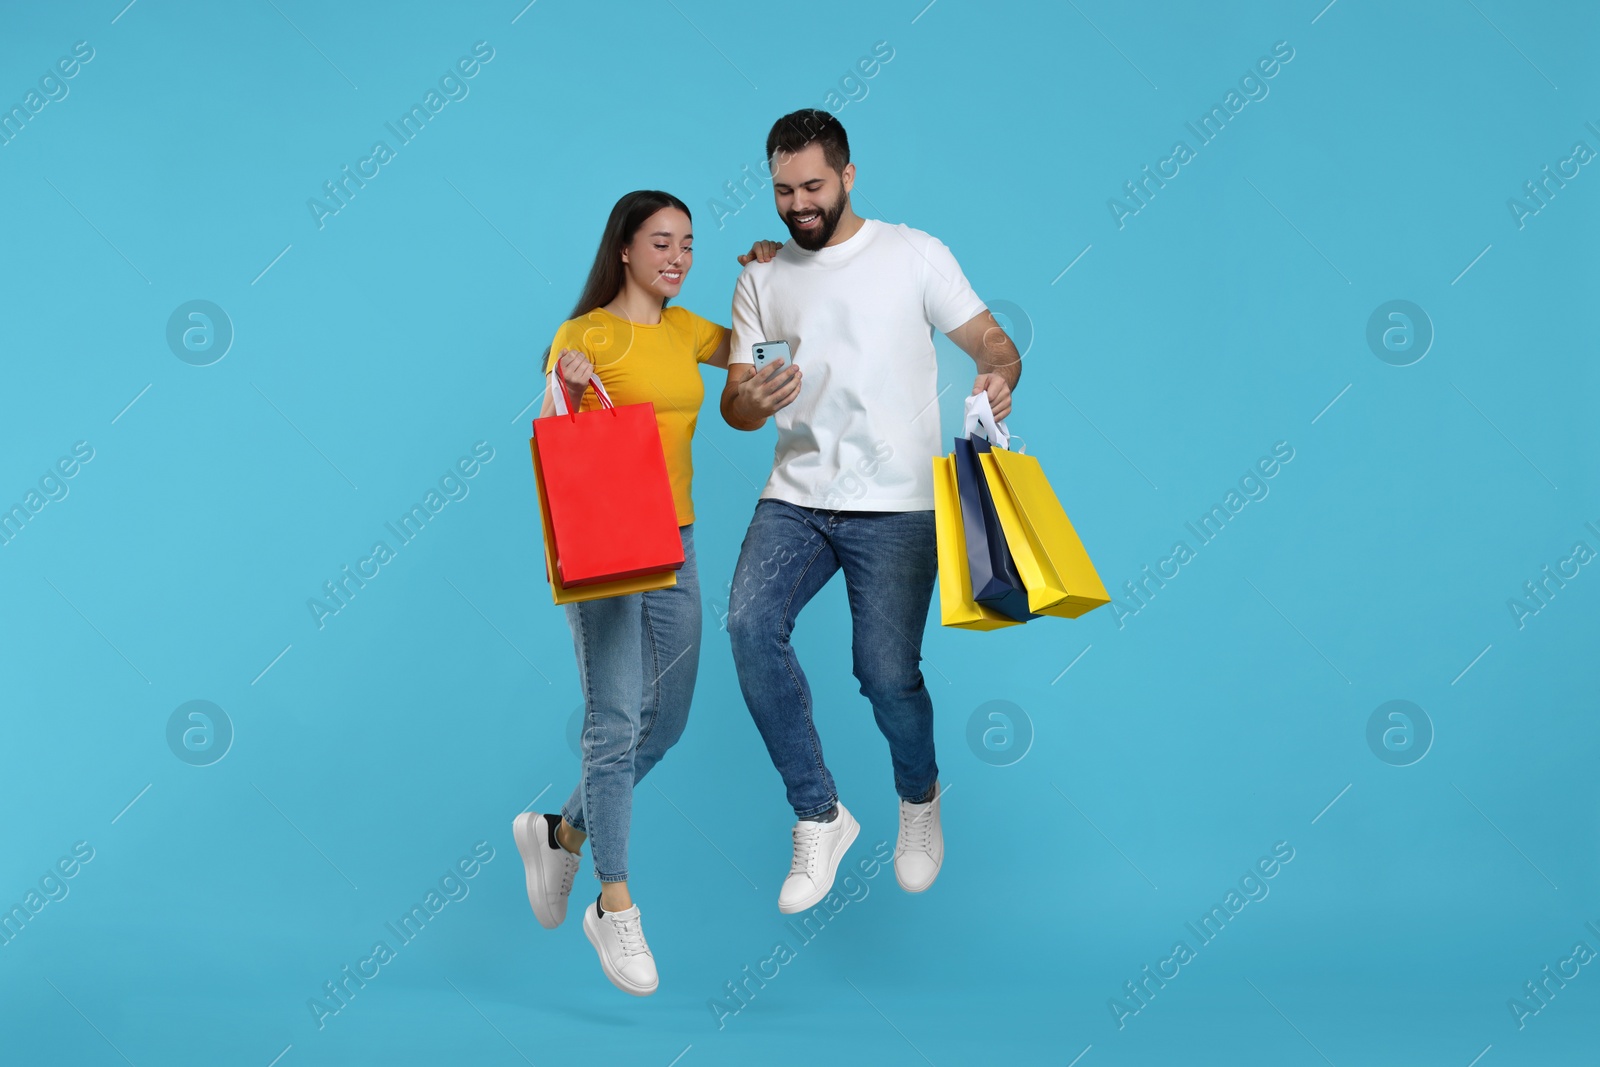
999	364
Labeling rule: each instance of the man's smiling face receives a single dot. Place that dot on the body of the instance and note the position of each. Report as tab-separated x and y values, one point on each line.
810	195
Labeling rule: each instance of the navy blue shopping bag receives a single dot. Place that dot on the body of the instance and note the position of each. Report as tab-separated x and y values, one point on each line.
995	583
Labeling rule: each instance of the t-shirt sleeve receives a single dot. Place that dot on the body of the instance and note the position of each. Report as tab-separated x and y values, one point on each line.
708	337
948	299
746	321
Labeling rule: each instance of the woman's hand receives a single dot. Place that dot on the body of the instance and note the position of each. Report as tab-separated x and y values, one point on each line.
574	370
761	252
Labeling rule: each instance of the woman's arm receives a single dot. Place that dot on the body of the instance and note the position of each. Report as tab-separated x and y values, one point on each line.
719	358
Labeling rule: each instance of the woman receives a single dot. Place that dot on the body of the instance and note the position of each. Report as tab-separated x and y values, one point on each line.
638	654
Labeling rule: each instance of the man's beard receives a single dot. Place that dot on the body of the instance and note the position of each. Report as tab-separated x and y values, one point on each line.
811	240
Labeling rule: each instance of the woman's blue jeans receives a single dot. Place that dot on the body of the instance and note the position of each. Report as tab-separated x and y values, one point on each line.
638	656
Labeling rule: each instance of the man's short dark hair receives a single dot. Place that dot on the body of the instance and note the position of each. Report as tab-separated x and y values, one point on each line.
792	133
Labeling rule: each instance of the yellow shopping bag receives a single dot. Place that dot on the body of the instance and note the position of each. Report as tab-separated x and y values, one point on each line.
563	595
956	606
1050	559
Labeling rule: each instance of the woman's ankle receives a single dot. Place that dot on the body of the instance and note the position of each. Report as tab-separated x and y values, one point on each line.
569	838
614	896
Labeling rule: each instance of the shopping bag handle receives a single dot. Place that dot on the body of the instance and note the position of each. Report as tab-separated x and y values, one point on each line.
558	392
979	415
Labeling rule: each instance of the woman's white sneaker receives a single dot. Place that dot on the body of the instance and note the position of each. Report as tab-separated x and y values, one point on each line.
618	938
818	848
919	850
549	867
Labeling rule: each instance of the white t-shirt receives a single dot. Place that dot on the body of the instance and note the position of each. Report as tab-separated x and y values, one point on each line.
859	317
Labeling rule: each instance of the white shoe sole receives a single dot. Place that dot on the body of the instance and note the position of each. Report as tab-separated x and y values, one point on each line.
534	857
833	869
605	964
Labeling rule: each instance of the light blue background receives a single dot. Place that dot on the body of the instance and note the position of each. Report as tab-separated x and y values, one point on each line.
1223	718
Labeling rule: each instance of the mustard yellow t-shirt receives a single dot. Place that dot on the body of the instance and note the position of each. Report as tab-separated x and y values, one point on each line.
659	364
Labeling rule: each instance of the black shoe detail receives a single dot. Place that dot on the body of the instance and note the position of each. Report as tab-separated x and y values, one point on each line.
598	910
551	822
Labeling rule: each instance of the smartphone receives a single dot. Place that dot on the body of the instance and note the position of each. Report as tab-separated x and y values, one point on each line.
764	352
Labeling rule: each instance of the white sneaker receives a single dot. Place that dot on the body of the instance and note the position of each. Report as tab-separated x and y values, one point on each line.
619	939
919	850
549	867
818	848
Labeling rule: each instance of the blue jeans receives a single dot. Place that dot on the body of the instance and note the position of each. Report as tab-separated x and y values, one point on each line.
889	563
638	656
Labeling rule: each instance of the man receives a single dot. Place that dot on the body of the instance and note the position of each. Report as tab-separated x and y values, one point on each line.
852	482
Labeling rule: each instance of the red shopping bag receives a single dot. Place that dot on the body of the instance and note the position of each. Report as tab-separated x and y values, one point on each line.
609	500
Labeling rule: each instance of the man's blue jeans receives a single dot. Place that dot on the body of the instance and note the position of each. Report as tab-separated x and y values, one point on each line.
637	660
889	562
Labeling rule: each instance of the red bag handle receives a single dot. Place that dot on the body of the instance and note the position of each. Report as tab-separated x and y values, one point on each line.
559	393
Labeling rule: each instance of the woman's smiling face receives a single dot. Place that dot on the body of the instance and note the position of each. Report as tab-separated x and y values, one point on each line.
658	258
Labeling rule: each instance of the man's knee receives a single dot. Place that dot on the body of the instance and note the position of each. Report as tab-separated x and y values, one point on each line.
886	682
752	631
752	608
740	629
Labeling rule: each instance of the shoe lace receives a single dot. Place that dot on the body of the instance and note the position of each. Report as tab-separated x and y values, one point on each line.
630	935
571	865
916	827
807	835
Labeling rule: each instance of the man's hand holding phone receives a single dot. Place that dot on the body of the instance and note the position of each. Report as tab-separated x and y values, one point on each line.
770	389
758	394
